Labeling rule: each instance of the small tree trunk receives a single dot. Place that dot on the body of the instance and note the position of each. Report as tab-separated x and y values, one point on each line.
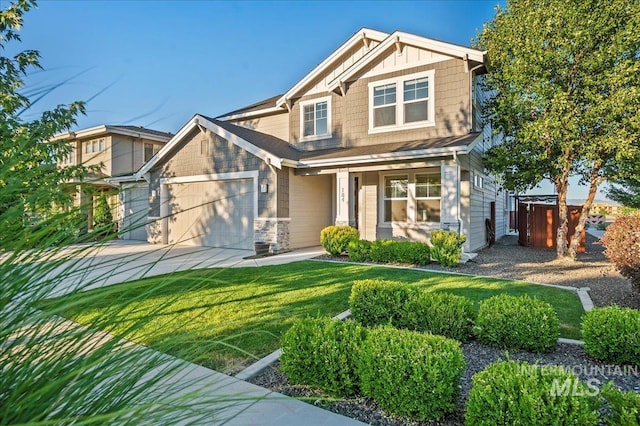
563	225
593	189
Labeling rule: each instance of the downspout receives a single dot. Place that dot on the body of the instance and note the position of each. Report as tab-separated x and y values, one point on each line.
458	176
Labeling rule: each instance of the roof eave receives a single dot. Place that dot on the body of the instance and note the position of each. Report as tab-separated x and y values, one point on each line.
346	46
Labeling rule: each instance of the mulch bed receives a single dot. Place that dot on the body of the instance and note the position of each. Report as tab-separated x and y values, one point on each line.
477	356
505	259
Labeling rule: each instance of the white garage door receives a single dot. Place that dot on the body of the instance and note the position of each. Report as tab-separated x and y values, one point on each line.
213	214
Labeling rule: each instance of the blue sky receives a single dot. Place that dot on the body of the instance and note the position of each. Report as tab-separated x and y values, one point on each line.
156	63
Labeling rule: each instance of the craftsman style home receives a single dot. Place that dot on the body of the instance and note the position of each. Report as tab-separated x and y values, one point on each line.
116	151
383	135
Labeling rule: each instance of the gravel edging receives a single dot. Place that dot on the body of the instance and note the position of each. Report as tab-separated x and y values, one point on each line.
478	357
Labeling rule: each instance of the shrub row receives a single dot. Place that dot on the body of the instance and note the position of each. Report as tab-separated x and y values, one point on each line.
513	393
503	321
376	302
407	373
622	242
446	247
612	334
523	322
509	392
389	251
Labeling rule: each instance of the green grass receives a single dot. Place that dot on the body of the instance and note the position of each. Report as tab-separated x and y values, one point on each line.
250	308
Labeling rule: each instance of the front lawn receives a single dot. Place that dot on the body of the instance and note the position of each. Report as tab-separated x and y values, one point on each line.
220	318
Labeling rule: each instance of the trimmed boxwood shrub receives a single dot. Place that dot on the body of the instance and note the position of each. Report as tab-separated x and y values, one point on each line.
359	250
392	251
513	393
622	408
446	247
440	313
517	323
376	302
411	374
322	352
335	239
622	242
612	334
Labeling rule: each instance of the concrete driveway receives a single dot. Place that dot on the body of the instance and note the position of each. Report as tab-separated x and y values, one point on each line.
121	261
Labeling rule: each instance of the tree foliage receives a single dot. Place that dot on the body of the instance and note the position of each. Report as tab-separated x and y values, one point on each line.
564	79
32	205
626	192
54	371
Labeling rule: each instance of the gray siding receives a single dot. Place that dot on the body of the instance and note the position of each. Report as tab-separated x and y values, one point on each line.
350	113
202	154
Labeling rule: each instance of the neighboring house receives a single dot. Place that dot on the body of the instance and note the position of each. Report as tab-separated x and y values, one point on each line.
119	151
383	135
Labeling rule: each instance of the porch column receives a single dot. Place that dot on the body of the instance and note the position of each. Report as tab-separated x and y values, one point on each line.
342	198
450	193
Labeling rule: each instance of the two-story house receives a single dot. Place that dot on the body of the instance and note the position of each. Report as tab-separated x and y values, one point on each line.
382	135
117	151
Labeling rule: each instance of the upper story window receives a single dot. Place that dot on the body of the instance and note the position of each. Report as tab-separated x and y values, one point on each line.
402	103
315	119
150	150
69	158
96	145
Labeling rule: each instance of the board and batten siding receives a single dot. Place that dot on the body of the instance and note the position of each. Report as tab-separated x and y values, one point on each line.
310	208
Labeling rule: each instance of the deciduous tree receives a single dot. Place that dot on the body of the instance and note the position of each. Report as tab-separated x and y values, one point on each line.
564	84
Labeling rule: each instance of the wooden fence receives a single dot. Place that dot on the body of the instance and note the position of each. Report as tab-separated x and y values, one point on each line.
538	225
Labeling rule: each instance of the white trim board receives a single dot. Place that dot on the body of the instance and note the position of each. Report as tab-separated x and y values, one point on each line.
252	174
196	122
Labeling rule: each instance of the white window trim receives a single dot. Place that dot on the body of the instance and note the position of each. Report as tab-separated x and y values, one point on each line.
398	81
411	199
478	180
384	197
438	174
314	101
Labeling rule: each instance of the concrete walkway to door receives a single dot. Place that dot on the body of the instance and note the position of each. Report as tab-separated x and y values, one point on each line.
122	261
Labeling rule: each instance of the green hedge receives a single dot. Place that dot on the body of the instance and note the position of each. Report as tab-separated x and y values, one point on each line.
411	374
323	352
512	393
335	239
376	302
612	334
517	323
359	250
392	251
446	247
440	313
623	408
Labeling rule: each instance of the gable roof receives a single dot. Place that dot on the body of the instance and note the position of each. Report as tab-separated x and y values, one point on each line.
266	147
278	152
265	106
134	131
358	37
399	38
